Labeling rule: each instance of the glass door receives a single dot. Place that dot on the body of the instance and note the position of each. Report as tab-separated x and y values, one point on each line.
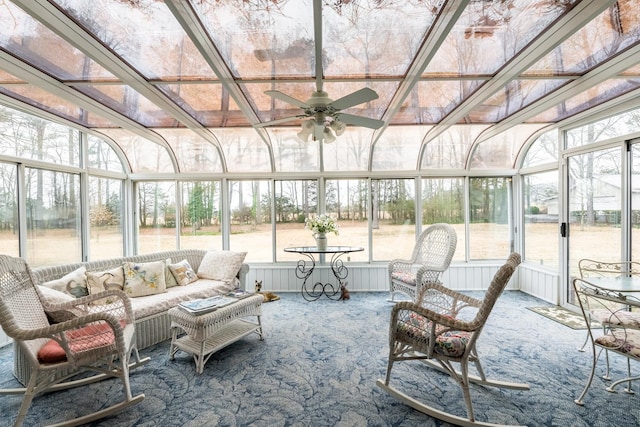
595	207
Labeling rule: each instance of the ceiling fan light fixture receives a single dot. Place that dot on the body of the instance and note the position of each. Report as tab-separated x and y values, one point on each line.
307	129
338	127
328	136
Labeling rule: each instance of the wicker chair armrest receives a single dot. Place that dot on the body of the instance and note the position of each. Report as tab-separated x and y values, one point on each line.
431	287
57	329
117	300
400	265
448	321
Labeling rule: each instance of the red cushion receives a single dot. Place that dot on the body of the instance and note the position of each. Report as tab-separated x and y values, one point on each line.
82	339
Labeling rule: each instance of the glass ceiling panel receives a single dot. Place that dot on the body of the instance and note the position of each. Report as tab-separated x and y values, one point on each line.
431	100
243	150
451	148
633	71
358	35
500	151
193	153
128	102
498	29
595	95
270	108
262	39
102	156
516	95
208	103
143	32
54	104
397	147
543	150
143	155
350	152
615	29
291	153
34	43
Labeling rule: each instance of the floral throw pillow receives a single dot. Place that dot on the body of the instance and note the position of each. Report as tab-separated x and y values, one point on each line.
221	265
145	278
183	272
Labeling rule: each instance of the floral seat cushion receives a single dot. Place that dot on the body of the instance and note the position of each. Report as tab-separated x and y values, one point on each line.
416	329
619	318
404	277
627	342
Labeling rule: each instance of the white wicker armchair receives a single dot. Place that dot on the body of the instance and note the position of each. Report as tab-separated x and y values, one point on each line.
96	333
431	255
434	332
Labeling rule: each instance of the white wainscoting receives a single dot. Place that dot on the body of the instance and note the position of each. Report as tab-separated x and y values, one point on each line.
365	277
539	282
369	277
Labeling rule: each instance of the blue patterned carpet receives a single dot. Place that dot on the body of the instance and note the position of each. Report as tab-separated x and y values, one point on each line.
318	367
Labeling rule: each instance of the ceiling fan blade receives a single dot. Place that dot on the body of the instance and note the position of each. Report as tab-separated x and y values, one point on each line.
355	98
286	98
350	119
278	121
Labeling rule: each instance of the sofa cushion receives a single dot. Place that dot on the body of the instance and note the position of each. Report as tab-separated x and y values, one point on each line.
98	281
221	265
169	278
74	283
154	304
183	273
145	278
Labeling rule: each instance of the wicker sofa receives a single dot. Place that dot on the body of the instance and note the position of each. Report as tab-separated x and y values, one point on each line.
152	319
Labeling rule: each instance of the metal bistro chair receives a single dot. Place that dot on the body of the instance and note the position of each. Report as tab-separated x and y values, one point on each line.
97	335
432	255
434	332
592	268
620	333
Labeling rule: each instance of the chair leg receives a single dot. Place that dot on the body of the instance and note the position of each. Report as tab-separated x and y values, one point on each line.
27	399
579	400
463	380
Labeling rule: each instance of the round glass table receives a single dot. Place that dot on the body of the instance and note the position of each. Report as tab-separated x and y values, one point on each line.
305	268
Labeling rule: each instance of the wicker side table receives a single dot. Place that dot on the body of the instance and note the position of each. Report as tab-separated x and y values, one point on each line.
205	334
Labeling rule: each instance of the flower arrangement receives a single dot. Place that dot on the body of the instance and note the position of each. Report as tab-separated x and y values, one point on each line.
321	224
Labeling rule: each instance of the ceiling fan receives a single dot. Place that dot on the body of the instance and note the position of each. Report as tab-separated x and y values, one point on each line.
324	120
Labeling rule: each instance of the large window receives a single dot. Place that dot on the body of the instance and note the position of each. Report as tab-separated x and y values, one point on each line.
294	202
156	216
346	201
443	201
540	207
393	218
249	203
9	210
490	235
53	217
105	218
200	226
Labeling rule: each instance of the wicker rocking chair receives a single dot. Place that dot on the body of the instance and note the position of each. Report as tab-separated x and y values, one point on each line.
96	334
434	333
432	255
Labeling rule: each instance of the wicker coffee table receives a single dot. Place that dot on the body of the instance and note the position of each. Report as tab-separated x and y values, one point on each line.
203	335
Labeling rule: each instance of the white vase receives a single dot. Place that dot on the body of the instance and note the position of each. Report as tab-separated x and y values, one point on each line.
321	241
